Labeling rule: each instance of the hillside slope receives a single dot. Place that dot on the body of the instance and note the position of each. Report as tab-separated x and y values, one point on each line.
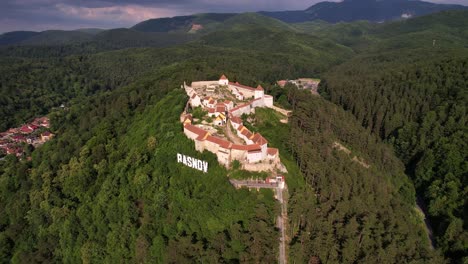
416	101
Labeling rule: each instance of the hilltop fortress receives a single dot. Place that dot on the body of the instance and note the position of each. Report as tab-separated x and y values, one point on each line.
224	103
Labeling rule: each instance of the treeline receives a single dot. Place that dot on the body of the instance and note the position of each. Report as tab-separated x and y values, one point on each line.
420	109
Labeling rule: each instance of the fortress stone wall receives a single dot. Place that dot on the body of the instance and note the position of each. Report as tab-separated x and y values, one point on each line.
256	151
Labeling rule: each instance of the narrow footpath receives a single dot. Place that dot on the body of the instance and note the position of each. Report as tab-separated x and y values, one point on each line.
233	138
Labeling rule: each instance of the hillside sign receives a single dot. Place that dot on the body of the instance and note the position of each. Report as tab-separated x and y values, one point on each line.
192	162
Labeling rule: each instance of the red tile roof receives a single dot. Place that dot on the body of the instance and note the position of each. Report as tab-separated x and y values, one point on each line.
223	77
258	139
18	138
242	86
196	130
272	151
26	129
282	83
246	133
246	147
220	108
236	120
239	107
221	142
259	88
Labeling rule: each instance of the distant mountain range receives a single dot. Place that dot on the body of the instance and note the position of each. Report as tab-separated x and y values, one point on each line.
371	10
163	32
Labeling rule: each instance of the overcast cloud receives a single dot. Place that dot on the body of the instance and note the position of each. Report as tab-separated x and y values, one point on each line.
40	15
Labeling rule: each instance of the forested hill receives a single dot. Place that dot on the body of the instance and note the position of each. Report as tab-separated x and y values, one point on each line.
417	104
107	188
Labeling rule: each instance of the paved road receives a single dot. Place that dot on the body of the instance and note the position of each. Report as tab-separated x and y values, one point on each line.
281	220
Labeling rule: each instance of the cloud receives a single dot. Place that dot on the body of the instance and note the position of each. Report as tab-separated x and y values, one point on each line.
122	14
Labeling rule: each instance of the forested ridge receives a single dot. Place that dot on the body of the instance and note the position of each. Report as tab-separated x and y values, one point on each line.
108	188
419	108
340	211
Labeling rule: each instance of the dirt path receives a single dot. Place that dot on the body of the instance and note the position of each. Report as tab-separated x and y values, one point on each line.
233	138
281	110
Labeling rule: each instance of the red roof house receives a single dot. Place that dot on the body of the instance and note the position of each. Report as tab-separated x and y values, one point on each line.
26	129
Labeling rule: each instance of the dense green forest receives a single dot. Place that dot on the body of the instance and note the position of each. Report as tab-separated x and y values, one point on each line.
108	188
340	211
420	108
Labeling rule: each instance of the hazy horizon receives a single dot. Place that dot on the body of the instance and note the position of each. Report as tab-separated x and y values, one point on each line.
40	15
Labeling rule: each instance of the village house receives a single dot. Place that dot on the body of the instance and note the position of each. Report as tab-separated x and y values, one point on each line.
282	83
195	100
46	136
42	122
11	141
236	122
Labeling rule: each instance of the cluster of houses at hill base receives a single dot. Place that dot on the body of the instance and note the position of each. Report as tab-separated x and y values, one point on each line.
14	140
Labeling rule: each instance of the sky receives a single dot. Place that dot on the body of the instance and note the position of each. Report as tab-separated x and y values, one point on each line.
38	15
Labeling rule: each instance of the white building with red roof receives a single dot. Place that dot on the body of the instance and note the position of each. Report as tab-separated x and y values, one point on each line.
229	104
235	122
259	92
195	100
223	80
209	102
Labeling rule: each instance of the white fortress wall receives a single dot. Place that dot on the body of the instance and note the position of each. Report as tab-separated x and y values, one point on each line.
200	84
258	102
211	146
200	145
264	151
254	156
237	154
268	100
258	94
